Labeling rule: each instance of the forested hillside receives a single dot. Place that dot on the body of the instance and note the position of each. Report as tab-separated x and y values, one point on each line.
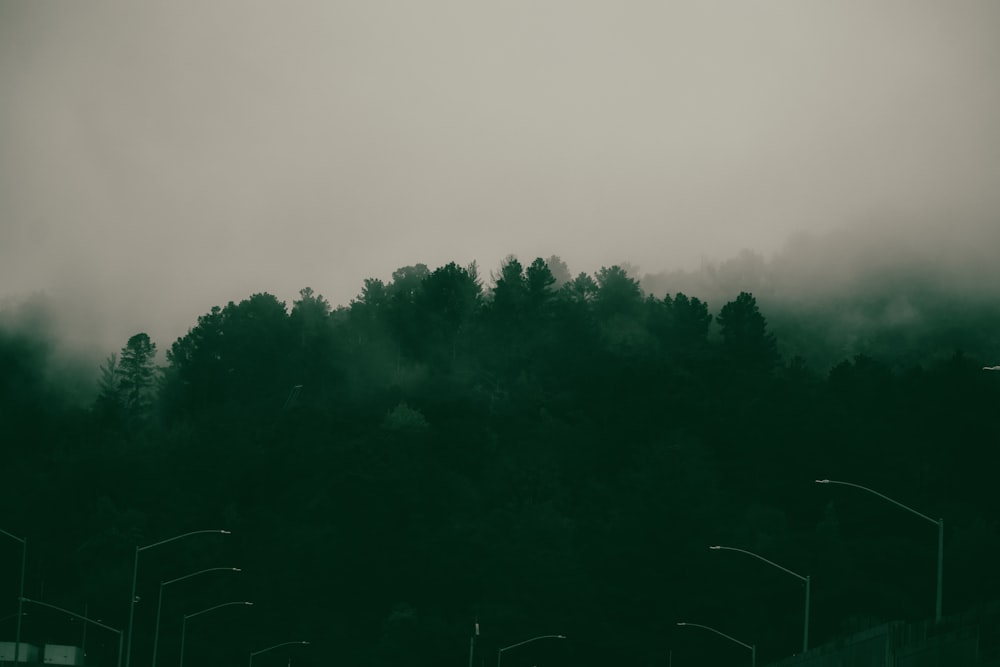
538	453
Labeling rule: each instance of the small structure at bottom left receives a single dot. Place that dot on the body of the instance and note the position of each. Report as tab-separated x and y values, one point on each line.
49	654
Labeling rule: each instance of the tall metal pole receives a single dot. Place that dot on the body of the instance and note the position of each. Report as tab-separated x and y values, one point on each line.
156	632
20	595
472	642
805	631
131	607
183	632
940	525
940	570
83	640
20	601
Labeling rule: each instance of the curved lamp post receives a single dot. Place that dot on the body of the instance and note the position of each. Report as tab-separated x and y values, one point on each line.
526	641
159	600
805	628
199	613
20	594
135	573
82	618
753	648
940	525
271	648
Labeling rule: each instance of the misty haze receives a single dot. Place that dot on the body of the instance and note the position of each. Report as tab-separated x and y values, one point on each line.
448	333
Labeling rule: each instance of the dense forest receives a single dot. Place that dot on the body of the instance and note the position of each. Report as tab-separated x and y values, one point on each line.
520	454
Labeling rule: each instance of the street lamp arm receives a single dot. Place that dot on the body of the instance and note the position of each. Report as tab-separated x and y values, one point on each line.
67	611
177	537
533	639
880	495
194	574
205	611
159	602
721	634
769	562
84	618
12	536
526	641
271	648
805	624
938	522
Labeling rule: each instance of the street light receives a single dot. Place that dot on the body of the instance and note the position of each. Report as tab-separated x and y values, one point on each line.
526	641
159	600
940	525
135	573
805	628
83	618
752	647
20	594
271	648
199	613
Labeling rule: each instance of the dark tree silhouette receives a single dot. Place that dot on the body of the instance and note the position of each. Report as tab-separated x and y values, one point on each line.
447	302
746	341
136	372
127	382
617	292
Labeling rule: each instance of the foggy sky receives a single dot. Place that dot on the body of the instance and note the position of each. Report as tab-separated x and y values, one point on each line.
159	159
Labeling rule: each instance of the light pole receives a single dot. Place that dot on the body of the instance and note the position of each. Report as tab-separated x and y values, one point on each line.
135	573
82	618
199	613
472	642
526	641
20	594
752	647
805	628
271	648
940	525
159	600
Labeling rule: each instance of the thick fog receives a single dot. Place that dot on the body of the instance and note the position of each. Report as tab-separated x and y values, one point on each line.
159	159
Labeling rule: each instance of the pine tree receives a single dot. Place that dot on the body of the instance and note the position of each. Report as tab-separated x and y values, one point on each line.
136	373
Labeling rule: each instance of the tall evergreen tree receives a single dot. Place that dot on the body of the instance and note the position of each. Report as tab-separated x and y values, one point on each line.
136	374
747	342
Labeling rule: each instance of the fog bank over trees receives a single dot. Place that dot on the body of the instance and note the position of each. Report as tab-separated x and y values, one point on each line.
899	292
41	361
903	293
